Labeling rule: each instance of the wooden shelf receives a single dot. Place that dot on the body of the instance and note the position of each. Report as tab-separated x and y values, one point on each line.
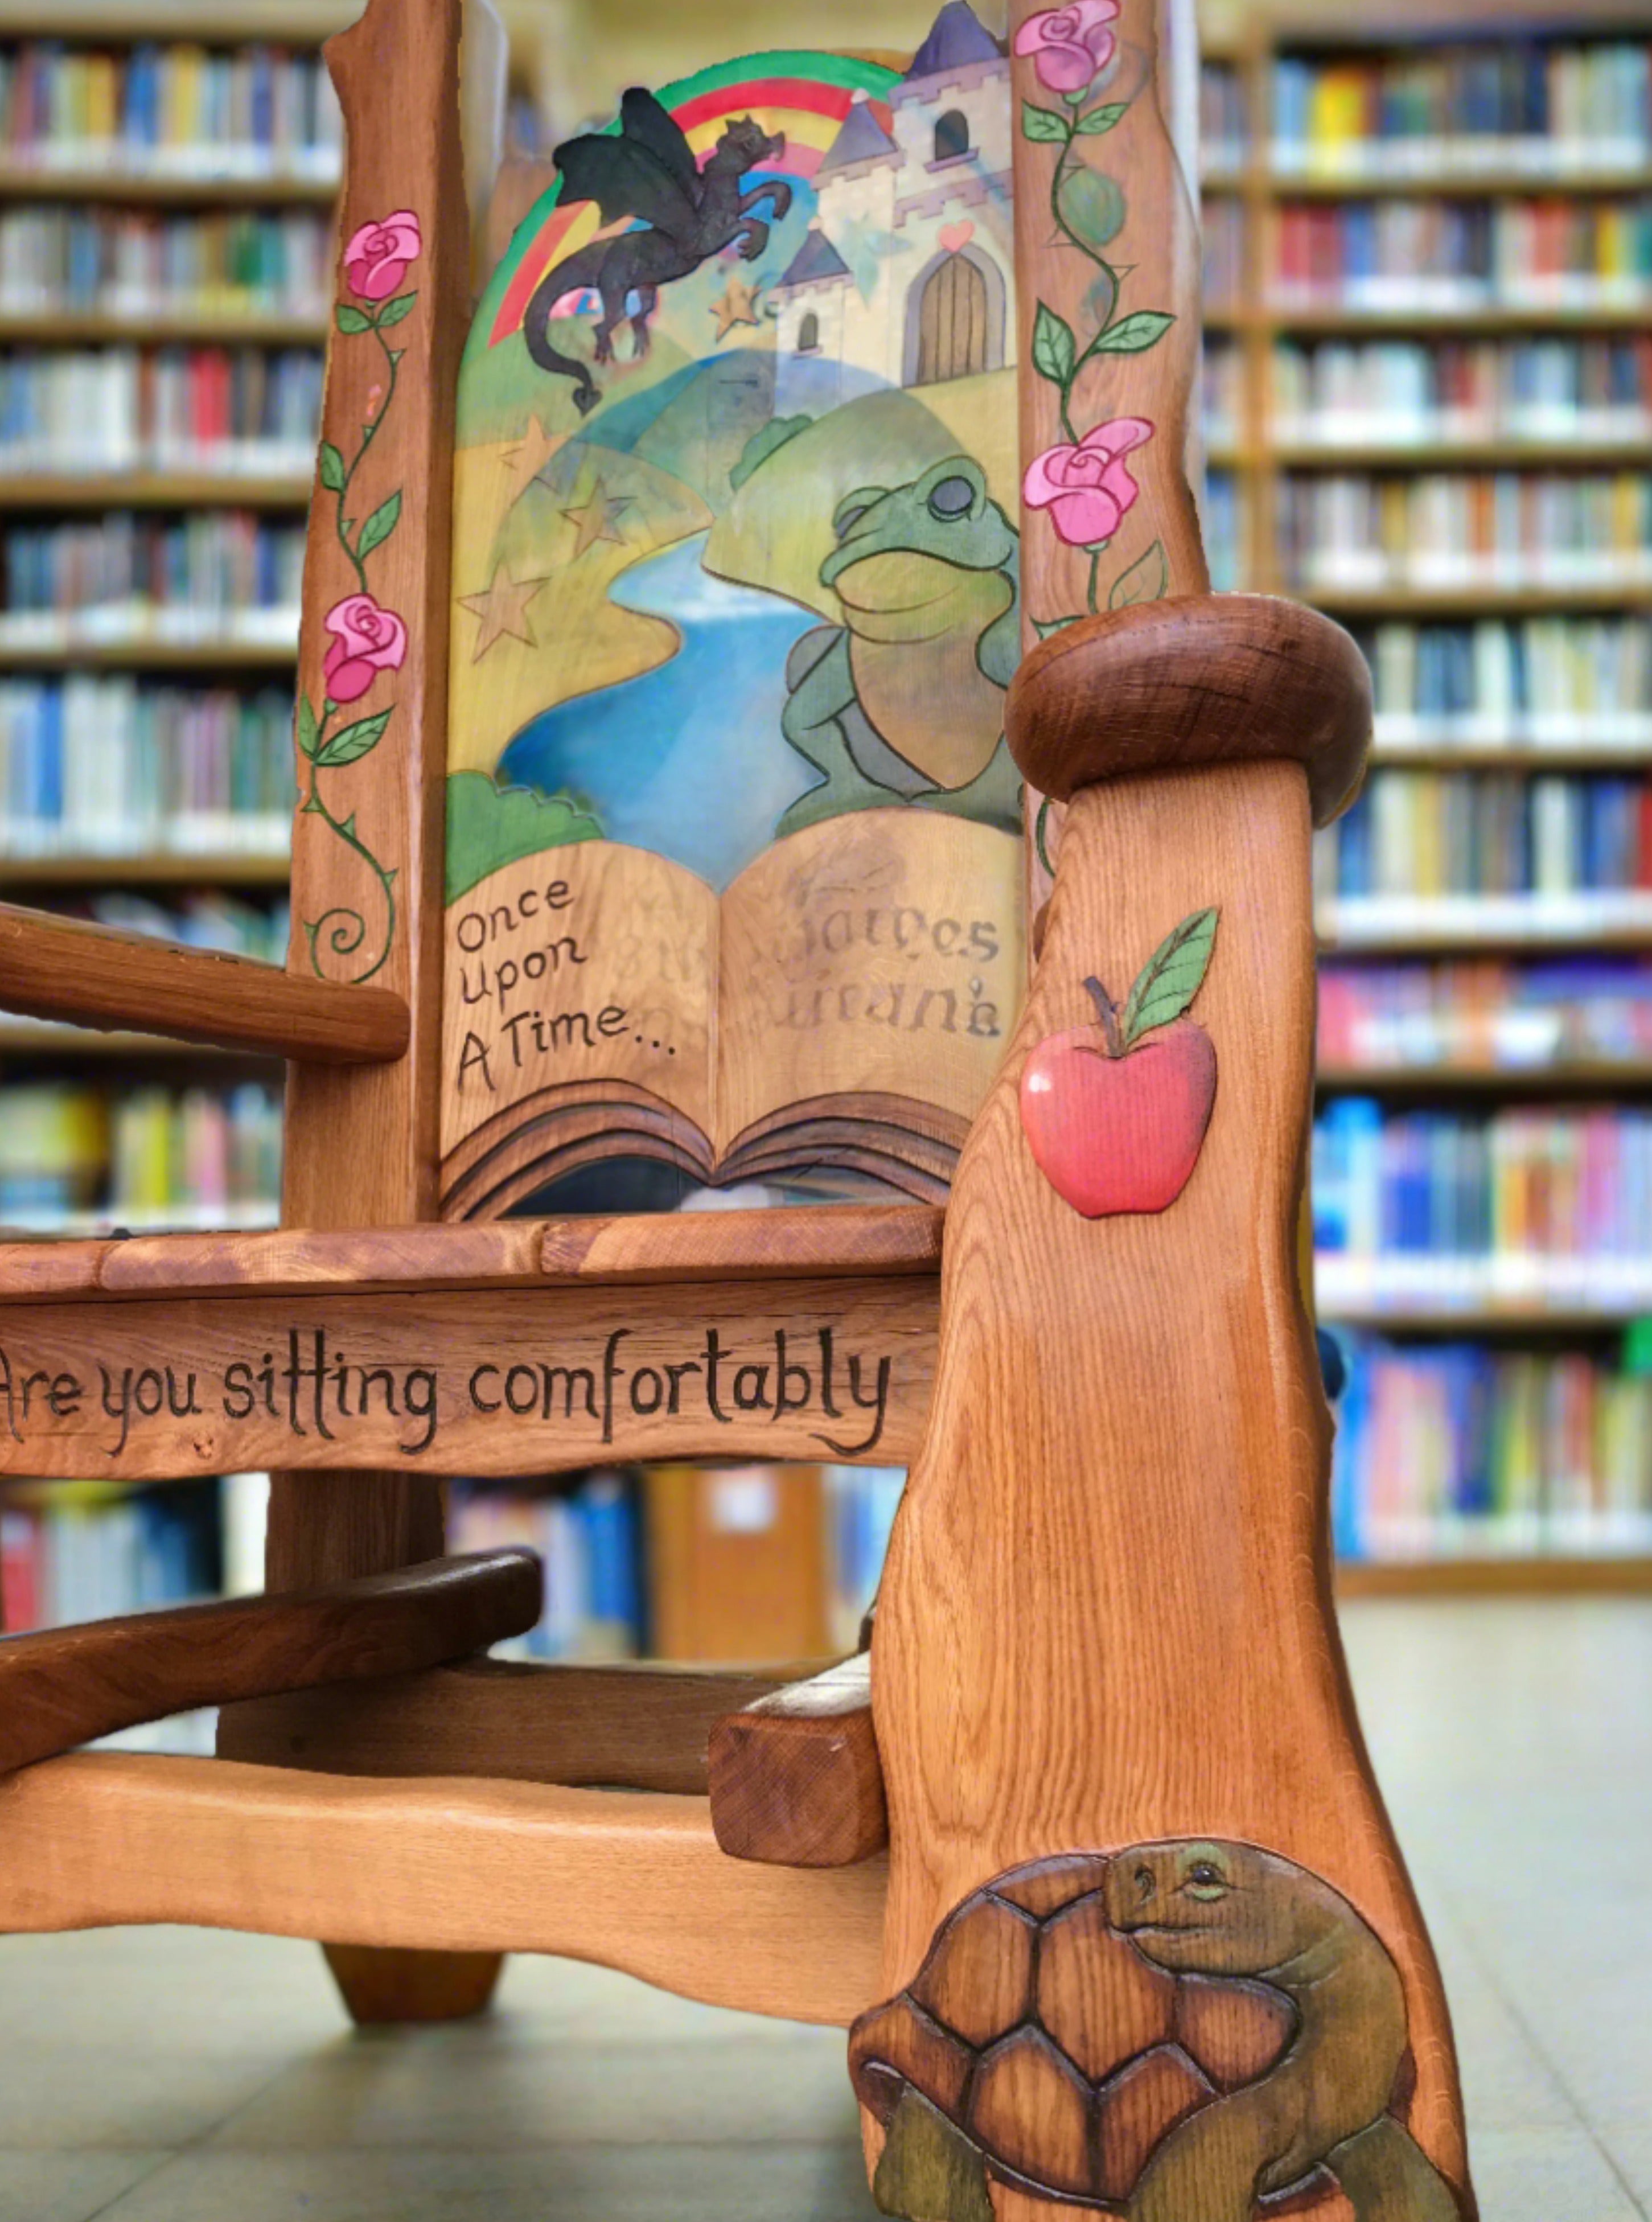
1537	1575
1449	454
30	1037
160	189
1450	183
160	328
1332	322
1603	1077
1484	1322
164	870
1455	940
285	23
1467	601
143	654
151	490
1465	757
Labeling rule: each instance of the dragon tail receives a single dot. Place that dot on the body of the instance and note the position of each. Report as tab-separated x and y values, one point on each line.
546	293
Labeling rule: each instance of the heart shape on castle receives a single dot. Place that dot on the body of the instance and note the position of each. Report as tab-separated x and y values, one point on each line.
952	236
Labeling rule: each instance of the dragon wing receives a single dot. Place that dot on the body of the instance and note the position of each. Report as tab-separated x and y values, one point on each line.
647	172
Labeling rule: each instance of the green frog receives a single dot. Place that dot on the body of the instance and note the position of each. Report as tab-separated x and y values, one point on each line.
904	700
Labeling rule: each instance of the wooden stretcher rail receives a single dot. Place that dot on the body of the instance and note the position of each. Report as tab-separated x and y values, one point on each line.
809	1242
66	1685
621	1727
94	975
631	1881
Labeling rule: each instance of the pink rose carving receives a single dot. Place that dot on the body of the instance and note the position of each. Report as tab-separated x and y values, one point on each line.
1069	46
1087	489
367	640
376	260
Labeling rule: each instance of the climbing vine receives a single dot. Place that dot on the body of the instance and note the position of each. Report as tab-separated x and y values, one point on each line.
1084	482
367	639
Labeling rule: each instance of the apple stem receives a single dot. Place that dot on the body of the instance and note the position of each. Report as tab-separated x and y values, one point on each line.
1107	1011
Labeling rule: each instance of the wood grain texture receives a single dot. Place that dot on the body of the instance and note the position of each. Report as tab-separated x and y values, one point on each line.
361	1149
64	1686
98	976
1220	679
629	1728
489	1381
795	1777
804	1242
1106	231
1124	1475
632	1882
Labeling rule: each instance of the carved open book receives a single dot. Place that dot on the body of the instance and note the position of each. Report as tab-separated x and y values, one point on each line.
845	1004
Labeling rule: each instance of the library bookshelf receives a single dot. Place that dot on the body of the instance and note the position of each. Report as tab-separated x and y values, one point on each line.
1384	281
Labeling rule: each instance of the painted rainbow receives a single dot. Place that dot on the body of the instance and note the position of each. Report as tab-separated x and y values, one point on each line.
806	96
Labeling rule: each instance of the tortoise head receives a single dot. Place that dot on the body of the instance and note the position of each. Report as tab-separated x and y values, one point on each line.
1212	1908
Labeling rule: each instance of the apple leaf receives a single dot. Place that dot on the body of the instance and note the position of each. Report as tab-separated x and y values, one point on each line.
1171	977
1054	348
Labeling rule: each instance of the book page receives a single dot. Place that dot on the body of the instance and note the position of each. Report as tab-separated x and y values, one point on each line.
578	968
880	954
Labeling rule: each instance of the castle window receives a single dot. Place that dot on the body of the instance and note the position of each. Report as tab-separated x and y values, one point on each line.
951	135
809	334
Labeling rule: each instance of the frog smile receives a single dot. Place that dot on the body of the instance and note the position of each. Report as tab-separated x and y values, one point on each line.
902	595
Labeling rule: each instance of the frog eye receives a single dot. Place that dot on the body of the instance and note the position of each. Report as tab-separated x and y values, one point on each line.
1206	1881
950	499
855	508
1144	1882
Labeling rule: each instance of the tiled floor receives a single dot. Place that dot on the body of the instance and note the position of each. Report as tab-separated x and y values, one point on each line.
177	2077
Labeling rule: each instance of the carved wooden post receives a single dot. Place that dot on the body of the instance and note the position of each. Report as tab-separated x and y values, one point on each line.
1150	1944
361	1147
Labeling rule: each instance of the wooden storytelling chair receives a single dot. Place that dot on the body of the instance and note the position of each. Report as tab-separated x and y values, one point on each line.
1086	1852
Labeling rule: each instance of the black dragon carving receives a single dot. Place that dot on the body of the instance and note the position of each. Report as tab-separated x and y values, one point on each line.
648	172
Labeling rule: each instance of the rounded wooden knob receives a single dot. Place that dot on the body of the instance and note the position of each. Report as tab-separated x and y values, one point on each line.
1212	679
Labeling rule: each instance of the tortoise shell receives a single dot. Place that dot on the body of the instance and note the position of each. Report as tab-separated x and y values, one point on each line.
1054	2044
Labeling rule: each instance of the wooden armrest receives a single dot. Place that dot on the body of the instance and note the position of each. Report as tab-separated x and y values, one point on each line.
98	975
1208	679
796	1778
64	1686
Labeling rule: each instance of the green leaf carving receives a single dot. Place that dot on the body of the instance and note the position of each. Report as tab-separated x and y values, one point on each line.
308	728
1146	581
379	526
351	320
393	311
1092	205
356	740
1133	335
1054	349
1043	123
1044	627
1102	119
1171	977
332	467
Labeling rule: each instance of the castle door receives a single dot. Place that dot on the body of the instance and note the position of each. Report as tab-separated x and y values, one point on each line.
953	323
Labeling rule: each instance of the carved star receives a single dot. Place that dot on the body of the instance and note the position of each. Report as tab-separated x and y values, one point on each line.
738	305
524	461
594	519
503	609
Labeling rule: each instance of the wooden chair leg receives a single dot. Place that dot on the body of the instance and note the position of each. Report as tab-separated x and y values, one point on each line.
358	1523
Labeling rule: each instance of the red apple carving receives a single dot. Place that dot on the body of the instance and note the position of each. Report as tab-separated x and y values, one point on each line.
1116	1114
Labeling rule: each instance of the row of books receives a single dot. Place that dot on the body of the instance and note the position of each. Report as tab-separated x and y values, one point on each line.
121	570
590	1537
124	408
179	109
203	917
1551	104
83	1550
1451	529
1224	512
1459	1451
118	766
1540	389
1419	255
1488	833
1438	1186
1543	680
1224	118
73	1155
129	262
1485	1015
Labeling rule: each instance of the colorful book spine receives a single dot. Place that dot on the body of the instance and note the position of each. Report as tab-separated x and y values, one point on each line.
1437	529
1418	255
1547	681
75	1158
96	411
590	1535
1485	1015
136	263
1543	389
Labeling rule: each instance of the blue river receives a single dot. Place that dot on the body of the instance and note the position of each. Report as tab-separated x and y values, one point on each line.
688	760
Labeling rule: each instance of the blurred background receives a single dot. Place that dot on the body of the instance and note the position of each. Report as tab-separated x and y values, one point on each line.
1427	399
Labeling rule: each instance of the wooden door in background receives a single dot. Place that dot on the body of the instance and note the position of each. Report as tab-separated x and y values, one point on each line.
953	323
